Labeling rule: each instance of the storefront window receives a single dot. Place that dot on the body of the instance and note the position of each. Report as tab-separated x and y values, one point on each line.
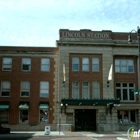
4	116
23	116
127	116
44	116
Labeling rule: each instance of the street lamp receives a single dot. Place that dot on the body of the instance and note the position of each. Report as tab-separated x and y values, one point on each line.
130	41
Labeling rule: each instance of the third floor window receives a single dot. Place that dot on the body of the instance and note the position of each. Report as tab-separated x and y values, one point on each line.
26	64
7	64
124	66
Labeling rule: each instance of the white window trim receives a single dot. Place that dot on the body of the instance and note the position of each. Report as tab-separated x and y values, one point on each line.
121	88
3	64
48	65
29	65
6	89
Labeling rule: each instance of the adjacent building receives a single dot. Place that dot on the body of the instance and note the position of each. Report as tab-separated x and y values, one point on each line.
85	83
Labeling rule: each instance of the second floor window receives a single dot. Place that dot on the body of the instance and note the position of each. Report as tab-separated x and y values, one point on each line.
45	64
85	64
26	64
124	66
7	64
96	90
25	89
44	89
5	88
75	90
85	90
124	91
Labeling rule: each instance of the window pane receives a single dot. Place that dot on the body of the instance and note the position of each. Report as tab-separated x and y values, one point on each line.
126	117
131	94
120	113
4	116
5	88
75	90
23	116
125	96
132	116
118	85
44	116
75	64
118	93
7	64
45	64
44	89
85	64
95	64
85	90
25	89
26	64
95	90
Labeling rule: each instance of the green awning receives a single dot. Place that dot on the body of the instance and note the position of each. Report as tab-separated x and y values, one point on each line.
24	105
4	105
43	105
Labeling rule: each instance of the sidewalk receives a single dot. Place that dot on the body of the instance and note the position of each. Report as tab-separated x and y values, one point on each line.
62	134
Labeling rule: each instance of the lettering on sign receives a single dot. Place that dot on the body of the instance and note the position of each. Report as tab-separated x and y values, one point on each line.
95	35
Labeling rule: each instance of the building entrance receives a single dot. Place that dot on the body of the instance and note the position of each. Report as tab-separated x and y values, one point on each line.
85	120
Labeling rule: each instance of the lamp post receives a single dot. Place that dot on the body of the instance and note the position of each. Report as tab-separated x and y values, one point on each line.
130	41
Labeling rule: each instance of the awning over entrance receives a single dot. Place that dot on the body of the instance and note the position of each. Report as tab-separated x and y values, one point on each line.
90	101
44	105
4	105
24	105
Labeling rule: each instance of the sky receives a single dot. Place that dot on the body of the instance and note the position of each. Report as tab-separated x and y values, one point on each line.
37	22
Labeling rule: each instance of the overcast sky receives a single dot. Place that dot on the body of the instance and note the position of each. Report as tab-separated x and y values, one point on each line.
37	22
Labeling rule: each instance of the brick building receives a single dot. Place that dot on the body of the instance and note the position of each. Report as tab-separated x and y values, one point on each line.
27	77
67	86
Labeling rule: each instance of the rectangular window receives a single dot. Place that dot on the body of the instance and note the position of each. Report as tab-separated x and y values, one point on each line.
96	90
75	90
124	91
124	66
5	88
7	64
85	64
45	64
127	116
85	90
26	64
24	118
25	89
44	118
75	64
44	89
95	64
4	116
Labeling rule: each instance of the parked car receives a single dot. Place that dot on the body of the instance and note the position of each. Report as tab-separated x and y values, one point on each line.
4	130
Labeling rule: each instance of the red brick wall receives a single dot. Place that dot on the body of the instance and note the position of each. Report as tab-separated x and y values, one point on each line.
34	77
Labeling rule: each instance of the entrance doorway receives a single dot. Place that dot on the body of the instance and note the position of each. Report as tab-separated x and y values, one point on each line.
85	120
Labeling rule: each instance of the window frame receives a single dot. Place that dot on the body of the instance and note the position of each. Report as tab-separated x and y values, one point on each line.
97	88
75	63
5	89
25	89
7	64
122	66
26	64
23	115
95	64
123	89
88	91
48	89
46	65
75	87
124	120
5	116
85	64
44	113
